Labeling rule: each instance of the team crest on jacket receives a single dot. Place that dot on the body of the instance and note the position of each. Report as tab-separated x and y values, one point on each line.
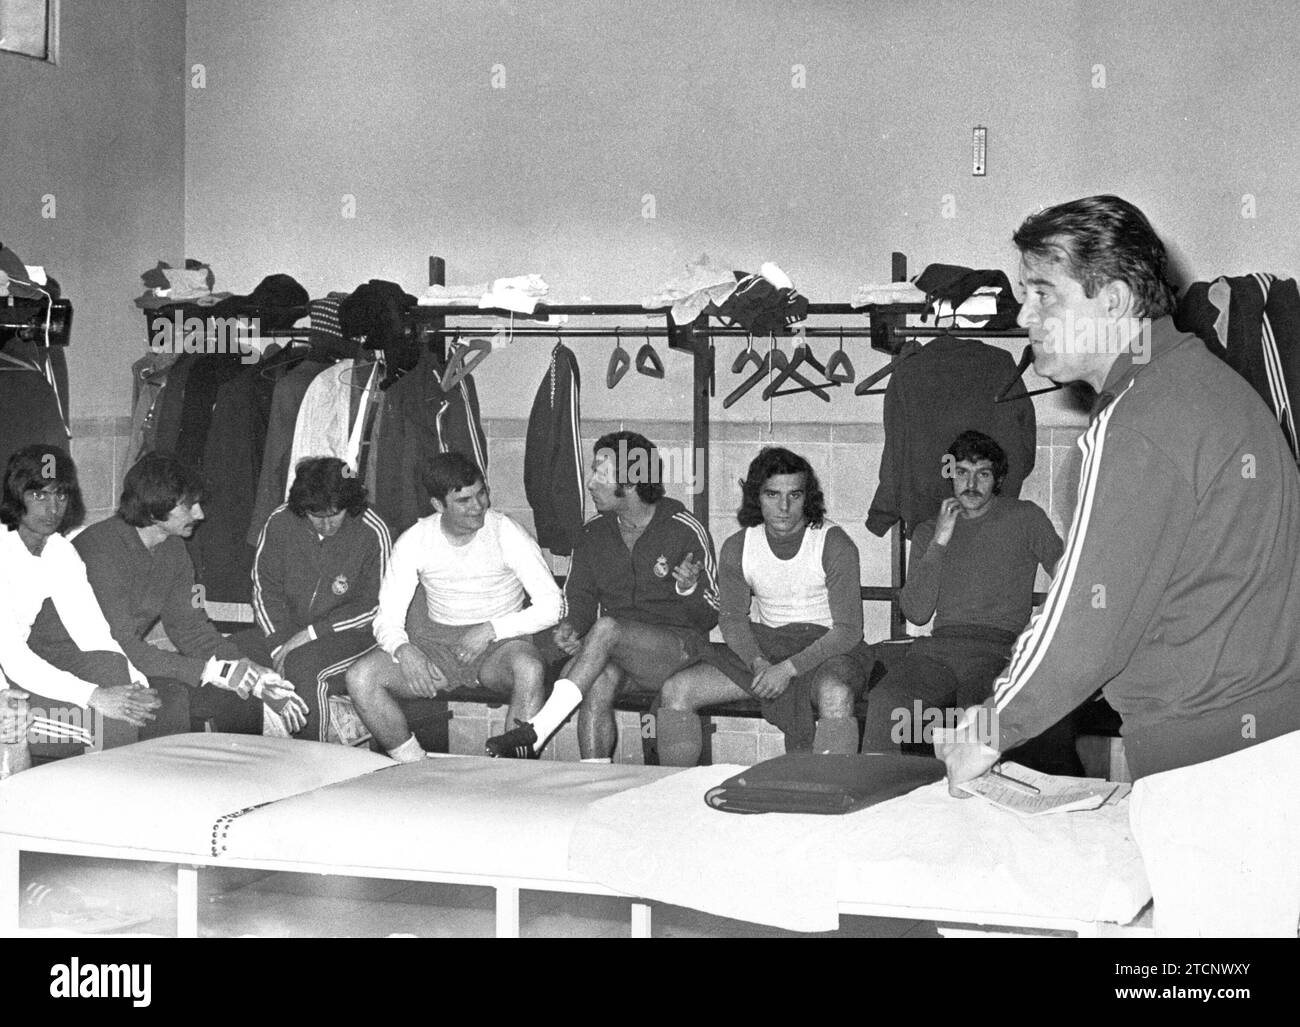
340	586
661	567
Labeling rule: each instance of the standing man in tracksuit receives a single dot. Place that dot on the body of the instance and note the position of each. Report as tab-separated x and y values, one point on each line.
648	567
320	559
1179	590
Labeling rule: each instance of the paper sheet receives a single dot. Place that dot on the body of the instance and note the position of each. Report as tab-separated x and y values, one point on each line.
1054	794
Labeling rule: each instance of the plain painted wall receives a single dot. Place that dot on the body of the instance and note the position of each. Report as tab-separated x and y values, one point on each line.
1185	108
103	134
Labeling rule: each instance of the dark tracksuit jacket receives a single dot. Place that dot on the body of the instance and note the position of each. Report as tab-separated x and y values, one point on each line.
1253	322
639	585
326	585
553	457
1179	590
933	396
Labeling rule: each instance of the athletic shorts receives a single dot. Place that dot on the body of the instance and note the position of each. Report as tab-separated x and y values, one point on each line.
648	660
438	642
777	644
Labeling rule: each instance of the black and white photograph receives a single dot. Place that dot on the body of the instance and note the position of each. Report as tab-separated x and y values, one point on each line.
693	469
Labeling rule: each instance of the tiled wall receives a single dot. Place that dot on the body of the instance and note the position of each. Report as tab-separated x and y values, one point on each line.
846	457
100	451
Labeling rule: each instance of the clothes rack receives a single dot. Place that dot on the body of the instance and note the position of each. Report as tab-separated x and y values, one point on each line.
885	327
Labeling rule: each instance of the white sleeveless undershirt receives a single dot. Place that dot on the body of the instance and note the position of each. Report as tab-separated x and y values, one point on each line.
788	591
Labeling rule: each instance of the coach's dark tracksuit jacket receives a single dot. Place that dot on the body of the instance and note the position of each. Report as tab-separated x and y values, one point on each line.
639	585
553	458
326	585
1179	589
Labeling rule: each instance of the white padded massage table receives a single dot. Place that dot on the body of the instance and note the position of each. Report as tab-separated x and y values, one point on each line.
278	804
921	856
643	833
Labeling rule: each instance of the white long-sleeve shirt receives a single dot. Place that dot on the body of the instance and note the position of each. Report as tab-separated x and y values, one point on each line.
58	575
484	580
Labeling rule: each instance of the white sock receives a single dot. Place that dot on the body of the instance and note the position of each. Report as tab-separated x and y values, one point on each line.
410	751
598	759
565	697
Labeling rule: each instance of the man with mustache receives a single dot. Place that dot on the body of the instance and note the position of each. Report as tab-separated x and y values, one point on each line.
972	569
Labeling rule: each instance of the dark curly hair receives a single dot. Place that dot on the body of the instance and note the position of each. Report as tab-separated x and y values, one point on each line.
628	449
154	486
772	460
1102	239
323	483
974	446
36	467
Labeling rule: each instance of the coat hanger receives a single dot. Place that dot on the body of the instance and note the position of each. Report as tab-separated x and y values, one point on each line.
1004	394
619	361
864	387
774	360
647	360
463	360
746	356
839	368
375	369
803	354
789	368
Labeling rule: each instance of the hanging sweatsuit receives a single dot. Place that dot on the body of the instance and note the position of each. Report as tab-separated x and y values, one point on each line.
933	396
1253	323
553	457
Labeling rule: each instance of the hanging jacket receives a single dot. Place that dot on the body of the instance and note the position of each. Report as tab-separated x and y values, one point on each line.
232	463
420	420
285	403
29	408
1253	323
553	457
935	394
325	426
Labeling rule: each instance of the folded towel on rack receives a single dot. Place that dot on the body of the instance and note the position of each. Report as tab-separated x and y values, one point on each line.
520	294
453	295
885	293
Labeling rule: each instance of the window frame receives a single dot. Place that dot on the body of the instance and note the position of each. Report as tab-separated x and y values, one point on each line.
51	35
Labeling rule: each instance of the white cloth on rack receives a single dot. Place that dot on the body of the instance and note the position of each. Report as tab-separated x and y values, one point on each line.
324	427
886	292
703	283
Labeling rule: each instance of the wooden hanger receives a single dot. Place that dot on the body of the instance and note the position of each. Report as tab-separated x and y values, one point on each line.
463	361
619	361
648	362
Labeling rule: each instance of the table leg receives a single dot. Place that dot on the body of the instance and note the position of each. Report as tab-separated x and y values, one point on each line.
9	890
187	901
507	912
641	920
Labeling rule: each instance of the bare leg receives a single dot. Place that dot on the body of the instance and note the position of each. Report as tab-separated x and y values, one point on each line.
834	685
679	730
597	730
372	682
518	665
